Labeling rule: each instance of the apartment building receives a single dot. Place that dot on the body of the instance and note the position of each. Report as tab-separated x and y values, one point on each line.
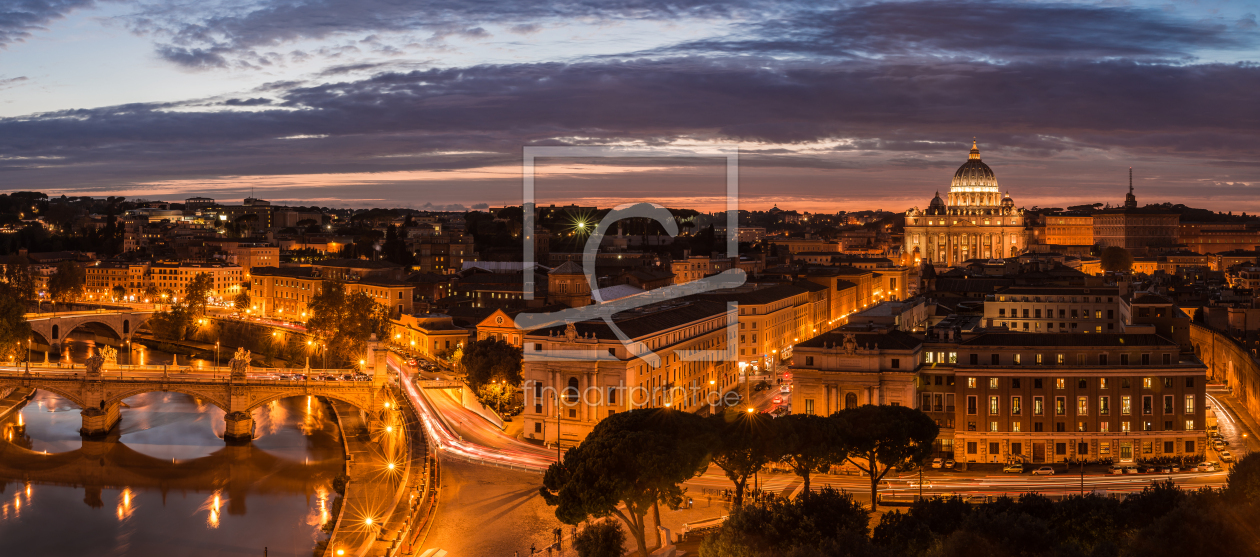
852	289
430	334
170	278
697	267
1059	397
1069	228
286	292
845	369
772	320
578	374
1036	309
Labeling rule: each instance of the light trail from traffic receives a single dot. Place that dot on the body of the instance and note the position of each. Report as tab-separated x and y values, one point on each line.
448	441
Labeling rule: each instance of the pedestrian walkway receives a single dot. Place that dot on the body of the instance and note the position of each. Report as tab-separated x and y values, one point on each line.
377	467
13	400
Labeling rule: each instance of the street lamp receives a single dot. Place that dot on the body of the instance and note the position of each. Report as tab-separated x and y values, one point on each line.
216	358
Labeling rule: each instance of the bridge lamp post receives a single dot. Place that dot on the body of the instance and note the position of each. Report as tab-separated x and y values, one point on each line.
216	358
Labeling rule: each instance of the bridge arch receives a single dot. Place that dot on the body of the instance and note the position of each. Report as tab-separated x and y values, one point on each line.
359	403
63	393
173	388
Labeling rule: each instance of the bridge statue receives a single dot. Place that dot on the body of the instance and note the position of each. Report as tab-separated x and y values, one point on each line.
94	365
109	355
240	364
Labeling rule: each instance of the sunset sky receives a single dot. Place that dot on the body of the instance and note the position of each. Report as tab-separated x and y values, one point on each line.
833	105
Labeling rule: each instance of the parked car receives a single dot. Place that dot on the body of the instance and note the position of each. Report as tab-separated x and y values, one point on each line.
1044	471
1016	468
1205	467
1130	469
949	463
1117	469
1227	456
937	462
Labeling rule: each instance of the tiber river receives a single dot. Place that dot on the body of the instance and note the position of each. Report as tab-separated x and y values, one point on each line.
165	484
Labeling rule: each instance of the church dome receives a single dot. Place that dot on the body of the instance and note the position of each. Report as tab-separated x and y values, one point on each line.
1007	201
937	206
974	175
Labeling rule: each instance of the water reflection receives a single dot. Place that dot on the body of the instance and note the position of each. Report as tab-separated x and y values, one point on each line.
174	487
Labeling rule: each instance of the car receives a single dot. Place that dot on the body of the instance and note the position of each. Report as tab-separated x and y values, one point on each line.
1117	469
411	362
1044	471
778	400
785	389
937	463
1227	456
949	463
1205	467
1016	468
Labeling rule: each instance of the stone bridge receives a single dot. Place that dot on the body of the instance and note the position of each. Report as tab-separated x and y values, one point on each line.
1229	362
108	464
100	394
54	328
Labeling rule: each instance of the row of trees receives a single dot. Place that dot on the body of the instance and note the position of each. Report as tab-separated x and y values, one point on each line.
632	462
1160	521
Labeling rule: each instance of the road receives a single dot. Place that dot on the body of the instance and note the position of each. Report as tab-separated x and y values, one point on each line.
461	434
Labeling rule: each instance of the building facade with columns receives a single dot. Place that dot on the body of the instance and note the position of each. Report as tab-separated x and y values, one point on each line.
847	368
577	374
975	221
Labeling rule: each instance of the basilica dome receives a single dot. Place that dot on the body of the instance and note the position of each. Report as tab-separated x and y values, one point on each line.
974	175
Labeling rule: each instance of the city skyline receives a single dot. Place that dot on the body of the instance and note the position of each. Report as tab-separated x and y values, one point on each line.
833	108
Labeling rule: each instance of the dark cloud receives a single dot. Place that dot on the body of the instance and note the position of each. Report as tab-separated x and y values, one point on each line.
1035	109
20	18
984	30
196	34
256	101
194	58
897	88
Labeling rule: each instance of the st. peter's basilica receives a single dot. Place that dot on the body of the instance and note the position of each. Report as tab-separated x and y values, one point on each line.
976	222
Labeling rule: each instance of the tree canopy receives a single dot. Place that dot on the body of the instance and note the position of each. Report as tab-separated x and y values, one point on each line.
66	283
344	322
809	444
1116	259
743	443
880	438
491	360
198	293
14	330
636	459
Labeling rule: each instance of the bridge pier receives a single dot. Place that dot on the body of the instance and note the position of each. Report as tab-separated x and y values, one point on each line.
98	421
240	428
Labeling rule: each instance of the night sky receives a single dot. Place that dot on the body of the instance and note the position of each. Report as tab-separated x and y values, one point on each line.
834	105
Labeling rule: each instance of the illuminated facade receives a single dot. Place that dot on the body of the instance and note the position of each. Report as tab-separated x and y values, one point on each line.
975	222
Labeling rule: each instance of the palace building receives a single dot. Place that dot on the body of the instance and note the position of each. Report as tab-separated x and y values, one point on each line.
976	222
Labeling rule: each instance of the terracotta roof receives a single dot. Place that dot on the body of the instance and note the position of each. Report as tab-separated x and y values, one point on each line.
893	339
643	321
1007	340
